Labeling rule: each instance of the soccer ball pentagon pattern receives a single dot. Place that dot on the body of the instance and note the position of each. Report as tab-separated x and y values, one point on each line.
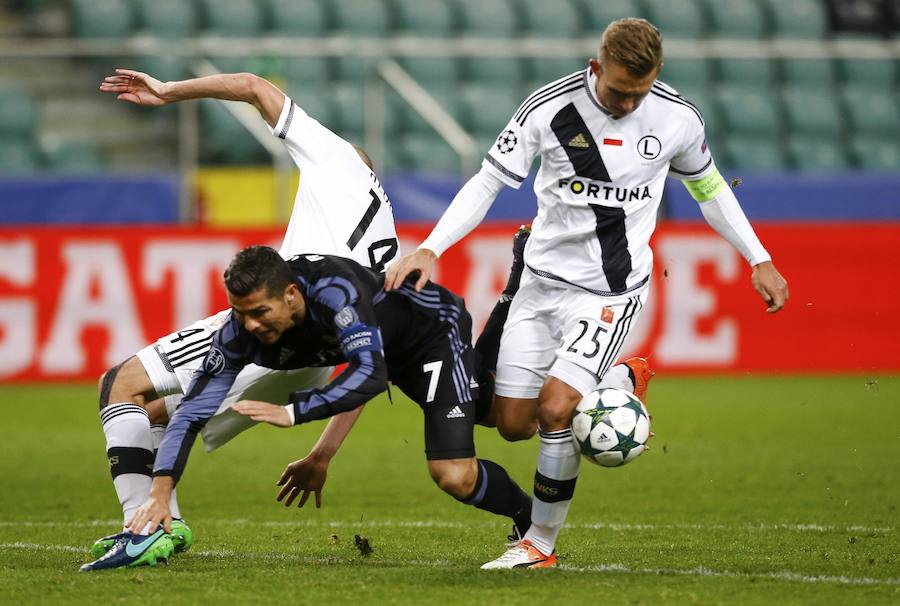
611	427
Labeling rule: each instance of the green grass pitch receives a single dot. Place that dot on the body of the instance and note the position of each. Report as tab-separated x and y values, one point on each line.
756	491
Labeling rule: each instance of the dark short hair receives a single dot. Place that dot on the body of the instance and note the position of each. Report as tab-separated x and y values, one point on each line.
256	267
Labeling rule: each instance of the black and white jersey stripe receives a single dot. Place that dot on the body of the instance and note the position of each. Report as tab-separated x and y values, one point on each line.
662	91
287	123
547	93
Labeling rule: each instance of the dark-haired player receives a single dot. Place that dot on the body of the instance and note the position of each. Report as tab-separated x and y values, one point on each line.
320	310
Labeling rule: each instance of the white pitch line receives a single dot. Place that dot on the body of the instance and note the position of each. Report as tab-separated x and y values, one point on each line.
817	528
37	546
700	571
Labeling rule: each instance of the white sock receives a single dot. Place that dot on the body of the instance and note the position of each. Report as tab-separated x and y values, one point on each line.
554	485
129	448
158	432
617	377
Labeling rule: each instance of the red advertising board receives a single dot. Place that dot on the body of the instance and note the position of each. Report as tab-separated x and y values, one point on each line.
75	301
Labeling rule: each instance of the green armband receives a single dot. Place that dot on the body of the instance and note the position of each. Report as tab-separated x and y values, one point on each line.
708	187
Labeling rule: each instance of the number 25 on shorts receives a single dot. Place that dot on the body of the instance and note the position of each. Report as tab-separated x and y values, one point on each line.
584	339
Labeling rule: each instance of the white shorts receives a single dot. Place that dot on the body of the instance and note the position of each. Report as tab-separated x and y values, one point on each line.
171	361
562	331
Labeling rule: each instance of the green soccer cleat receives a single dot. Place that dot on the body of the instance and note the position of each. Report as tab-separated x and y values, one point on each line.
181	535
101	546
182	539
134	550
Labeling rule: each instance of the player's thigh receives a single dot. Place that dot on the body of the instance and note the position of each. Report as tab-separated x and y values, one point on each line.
172	360
441	384
128	382
527	350
257	383
595	331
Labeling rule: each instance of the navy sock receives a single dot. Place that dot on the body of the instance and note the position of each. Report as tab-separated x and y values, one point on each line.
496	492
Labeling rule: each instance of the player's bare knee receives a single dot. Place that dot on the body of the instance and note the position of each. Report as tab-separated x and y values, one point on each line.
555	415
516	418
456	478
514	430
157	412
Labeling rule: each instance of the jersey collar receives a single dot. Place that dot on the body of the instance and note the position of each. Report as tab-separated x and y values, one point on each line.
590	88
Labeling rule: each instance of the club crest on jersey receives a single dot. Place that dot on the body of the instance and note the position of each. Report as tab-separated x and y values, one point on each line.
214	362
607	315
506	142
594	190
649	147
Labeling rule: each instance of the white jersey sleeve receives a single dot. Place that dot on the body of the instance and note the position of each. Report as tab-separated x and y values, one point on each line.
307	141
692	160
510	157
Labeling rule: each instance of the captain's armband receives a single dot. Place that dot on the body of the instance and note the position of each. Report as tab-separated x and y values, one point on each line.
707	188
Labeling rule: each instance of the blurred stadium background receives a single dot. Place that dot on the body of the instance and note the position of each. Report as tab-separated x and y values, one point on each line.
116	220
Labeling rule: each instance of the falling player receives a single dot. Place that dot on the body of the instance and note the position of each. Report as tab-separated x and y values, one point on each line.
320	310
340	208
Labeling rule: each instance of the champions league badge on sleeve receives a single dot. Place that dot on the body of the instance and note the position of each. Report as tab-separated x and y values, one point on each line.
506	142
345	317
214	362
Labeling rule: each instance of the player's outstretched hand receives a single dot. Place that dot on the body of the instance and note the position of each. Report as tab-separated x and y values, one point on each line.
421	261
770	285
150	515
302	478
264	412
135	87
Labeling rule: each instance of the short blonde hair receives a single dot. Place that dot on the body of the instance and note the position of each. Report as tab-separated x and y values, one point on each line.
635	44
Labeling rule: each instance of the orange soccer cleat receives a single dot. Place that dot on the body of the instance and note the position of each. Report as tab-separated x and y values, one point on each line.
522	555
640	368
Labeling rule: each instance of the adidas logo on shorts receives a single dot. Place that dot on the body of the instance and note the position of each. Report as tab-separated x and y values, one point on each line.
456	413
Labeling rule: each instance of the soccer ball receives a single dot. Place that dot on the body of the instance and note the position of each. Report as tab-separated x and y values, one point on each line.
611	427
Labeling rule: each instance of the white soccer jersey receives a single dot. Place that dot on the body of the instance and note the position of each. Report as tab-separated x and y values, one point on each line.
601	179
340	207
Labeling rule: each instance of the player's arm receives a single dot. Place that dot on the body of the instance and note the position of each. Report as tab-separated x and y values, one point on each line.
308	474
724	214
142	89
208	388
364	378
336	302
465	212
506	163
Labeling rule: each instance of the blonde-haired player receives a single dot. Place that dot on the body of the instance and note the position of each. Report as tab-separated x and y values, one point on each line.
607	136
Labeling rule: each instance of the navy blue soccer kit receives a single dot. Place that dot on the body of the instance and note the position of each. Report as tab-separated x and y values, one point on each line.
420	341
